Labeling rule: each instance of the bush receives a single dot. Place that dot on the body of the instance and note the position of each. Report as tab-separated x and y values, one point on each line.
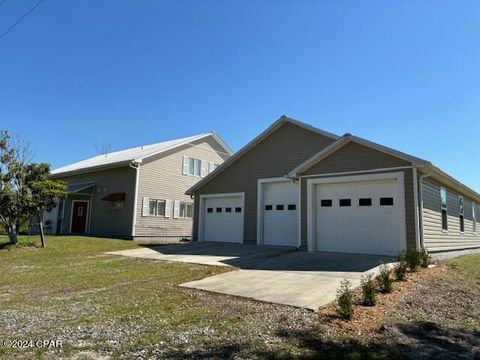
400	268
368	290
425	259
412	257
345	299
384	279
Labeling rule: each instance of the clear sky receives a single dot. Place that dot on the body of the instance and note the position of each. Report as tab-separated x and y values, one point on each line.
406	74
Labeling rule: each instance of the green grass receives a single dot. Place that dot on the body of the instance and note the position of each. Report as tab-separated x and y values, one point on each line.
469	265
118	307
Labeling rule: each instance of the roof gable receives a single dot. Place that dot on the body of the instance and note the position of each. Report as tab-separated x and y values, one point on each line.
137	155
348	139
260	139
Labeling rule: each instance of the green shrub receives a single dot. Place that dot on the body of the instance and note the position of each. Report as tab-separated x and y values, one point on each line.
384	279
400	268
425	258
412	257
345	299
368	290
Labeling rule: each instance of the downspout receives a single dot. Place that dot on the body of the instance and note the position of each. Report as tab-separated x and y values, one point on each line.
420	192
135	165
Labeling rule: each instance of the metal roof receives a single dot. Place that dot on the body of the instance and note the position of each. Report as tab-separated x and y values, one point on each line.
136	154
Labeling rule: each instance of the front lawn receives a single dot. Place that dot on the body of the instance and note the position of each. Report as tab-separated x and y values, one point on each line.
111	306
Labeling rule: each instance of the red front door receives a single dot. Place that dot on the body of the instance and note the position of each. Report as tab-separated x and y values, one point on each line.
79	217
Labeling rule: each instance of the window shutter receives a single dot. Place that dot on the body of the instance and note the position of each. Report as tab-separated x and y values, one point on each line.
211	167
168	208
185	165
204	169
146	206
176	209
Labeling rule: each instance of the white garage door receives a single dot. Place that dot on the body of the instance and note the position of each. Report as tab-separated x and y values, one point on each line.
223	219
280	213
361	217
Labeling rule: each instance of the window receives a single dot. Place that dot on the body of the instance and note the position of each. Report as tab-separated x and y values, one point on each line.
326	203
461	213
474	217
190	210
156	207
219	210
185	210
292	207
209	210
268	207
152	207
443	199
238	209
160	207
386	201
280	207
192	166
345	202
365	202
212	167
228	209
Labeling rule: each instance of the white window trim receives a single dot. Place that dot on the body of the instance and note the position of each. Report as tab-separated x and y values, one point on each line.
460	214
180	202
157	200
474	218
260	204
202	209
186	171
311	202
446	208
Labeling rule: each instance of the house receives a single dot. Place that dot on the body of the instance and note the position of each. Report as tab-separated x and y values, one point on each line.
137	193
295	185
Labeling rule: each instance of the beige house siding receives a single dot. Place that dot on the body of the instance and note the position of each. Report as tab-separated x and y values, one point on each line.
435	239
162	177
355	157
275	156
104	220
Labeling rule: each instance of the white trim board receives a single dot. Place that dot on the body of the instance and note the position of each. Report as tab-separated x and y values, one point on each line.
311	199
201	212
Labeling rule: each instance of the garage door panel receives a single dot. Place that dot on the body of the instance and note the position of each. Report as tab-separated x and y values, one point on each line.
280	213
366	223
223	219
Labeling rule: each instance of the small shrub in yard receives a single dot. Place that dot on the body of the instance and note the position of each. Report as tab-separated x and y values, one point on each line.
413	259
400	268
368	290
384	279
345	299
425	258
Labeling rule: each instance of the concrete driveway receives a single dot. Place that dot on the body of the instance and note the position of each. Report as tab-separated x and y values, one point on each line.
273	274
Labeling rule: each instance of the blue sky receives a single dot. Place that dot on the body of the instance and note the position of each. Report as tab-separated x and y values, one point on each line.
406	74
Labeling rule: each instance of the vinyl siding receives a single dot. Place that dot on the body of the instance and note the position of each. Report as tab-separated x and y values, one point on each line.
434	238
104	220
162	177
275	156
355	157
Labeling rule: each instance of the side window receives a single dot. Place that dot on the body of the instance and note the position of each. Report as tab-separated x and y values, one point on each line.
443	199
474	216
461	213
152	207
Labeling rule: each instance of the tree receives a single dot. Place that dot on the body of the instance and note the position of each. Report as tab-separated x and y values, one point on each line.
25	187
